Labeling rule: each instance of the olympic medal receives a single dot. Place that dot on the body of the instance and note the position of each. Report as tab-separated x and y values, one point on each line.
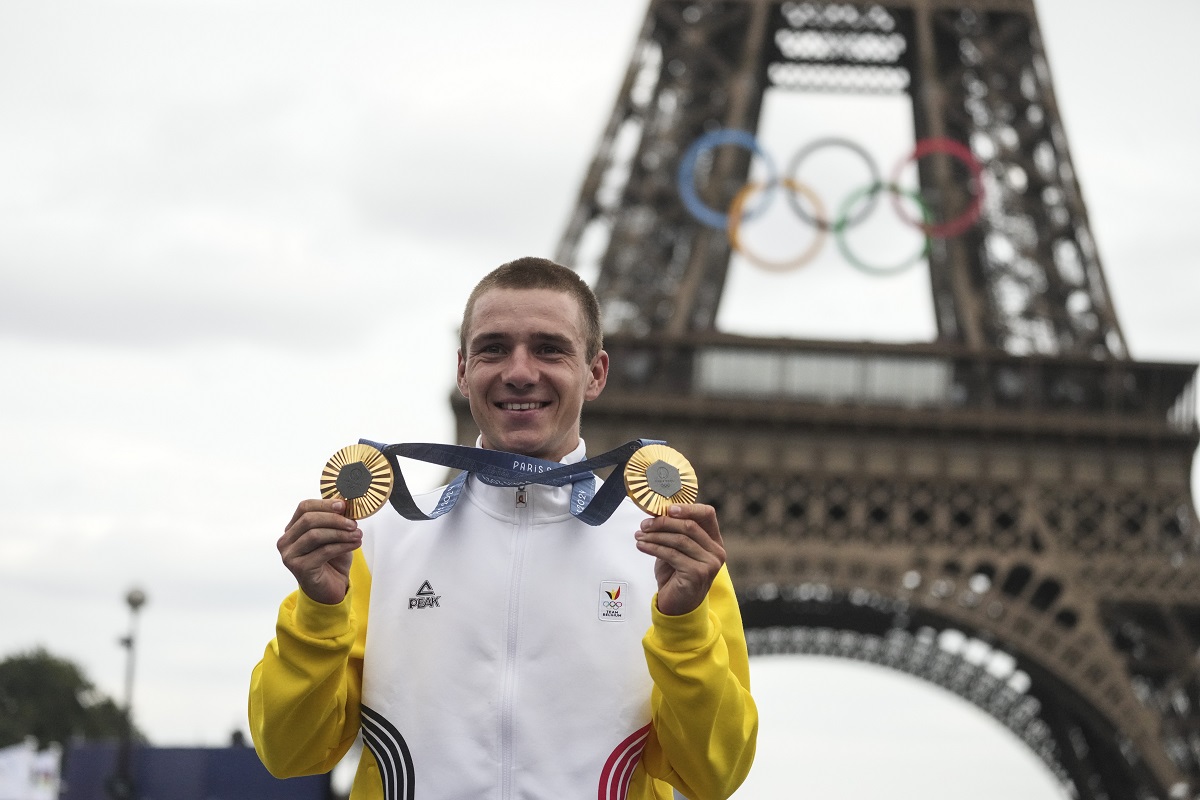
360	475
657	476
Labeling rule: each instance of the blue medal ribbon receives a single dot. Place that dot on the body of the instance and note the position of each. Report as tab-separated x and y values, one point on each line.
498	468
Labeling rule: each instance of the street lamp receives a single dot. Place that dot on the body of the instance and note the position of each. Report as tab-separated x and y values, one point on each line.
120	785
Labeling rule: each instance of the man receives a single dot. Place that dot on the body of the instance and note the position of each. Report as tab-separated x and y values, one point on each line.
513	651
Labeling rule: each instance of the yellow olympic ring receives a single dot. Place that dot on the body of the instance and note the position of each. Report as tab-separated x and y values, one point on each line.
735	221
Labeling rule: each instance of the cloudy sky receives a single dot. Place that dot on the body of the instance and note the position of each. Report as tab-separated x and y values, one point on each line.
235	235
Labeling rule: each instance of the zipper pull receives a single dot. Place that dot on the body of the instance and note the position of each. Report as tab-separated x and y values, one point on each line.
522	498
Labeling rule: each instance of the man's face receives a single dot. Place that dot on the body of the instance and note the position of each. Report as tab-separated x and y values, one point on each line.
526	373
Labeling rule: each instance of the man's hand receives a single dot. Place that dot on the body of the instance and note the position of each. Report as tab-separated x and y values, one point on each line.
687	543
317	546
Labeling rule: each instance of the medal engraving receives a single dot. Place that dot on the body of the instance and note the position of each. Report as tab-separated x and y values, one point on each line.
360	475
663	478
354	480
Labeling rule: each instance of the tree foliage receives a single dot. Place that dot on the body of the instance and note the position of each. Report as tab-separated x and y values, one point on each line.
52	700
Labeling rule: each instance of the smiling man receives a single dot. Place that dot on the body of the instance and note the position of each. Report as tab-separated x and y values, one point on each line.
527	362
513	651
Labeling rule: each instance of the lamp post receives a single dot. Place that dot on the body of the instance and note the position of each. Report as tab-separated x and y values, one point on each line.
120	785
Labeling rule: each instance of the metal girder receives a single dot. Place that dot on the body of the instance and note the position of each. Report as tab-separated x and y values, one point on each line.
1025	279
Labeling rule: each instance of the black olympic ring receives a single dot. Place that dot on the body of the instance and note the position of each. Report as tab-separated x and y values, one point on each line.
832	141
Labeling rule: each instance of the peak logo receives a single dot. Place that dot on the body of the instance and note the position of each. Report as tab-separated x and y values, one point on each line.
425	598
611	606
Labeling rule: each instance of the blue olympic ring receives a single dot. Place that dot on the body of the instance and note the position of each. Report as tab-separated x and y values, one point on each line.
686	177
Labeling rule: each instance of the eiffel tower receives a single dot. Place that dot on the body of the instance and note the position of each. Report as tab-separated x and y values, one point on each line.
1004	511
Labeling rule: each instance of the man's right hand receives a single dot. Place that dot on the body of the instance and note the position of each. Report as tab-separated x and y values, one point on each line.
317	547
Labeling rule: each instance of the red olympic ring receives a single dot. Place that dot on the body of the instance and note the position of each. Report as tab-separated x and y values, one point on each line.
735	218
951	147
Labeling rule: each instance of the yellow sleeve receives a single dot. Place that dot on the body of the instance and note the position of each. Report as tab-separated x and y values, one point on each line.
305	693
704	723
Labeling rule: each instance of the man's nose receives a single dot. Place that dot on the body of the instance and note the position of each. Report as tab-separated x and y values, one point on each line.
521	368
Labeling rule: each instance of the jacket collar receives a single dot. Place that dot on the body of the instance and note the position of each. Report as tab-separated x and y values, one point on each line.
543	503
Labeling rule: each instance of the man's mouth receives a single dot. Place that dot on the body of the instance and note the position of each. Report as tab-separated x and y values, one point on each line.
522	406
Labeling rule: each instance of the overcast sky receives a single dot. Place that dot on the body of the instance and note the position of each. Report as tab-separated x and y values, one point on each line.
235	235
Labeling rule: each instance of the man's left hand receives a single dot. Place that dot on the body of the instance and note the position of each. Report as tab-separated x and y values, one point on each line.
687	543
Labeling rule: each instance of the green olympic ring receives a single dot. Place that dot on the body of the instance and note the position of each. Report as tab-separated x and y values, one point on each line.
840	228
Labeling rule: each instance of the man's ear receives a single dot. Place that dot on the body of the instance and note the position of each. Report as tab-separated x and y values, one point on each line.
598	377
462	376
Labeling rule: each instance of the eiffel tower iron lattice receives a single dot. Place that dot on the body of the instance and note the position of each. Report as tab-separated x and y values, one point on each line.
1020	482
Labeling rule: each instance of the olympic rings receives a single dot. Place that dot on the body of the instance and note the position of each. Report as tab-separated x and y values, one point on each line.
735	217
849	213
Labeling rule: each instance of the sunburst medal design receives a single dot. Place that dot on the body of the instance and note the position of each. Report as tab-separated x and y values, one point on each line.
360	475
657	476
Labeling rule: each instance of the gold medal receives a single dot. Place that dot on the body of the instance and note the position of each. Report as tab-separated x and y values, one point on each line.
657	476
360	475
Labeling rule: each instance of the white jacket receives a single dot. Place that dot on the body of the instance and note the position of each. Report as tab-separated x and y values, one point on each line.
504	649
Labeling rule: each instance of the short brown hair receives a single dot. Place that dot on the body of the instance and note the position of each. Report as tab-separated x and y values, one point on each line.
531	272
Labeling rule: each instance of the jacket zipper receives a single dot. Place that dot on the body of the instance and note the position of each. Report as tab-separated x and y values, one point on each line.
521	526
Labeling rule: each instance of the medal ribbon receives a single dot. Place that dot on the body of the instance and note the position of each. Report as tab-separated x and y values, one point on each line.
498	468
